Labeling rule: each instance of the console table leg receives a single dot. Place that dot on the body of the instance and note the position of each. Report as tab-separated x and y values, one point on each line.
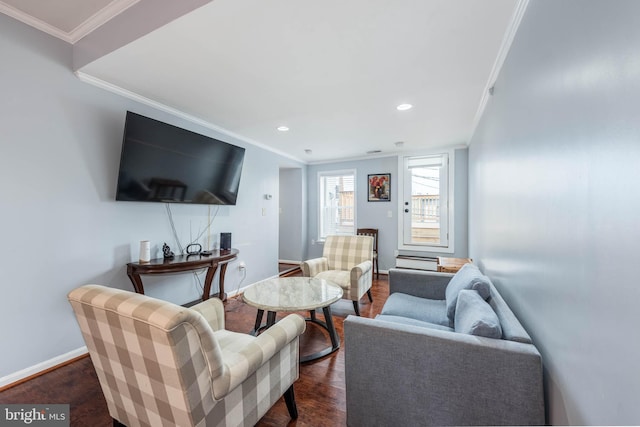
211	271
137	282
223	270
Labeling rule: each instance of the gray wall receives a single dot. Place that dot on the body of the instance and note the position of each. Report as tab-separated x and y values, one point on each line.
376	214
368	214
292	239
61	226
554	201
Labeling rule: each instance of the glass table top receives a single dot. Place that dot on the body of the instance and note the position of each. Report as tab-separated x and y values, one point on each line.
292	294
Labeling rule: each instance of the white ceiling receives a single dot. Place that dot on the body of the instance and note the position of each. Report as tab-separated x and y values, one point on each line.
332	71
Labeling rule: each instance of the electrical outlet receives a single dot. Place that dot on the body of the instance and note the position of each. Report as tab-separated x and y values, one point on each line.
242	265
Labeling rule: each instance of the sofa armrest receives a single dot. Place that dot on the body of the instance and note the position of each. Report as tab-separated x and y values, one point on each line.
312	267
435	377
423	284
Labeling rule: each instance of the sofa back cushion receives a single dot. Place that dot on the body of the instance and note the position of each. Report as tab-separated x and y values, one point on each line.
474	316
468	277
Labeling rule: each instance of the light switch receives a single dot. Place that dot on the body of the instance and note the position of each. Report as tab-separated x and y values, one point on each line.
264	211
389	214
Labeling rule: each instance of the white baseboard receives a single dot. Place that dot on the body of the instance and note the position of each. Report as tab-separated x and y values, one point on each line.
42	366
288	261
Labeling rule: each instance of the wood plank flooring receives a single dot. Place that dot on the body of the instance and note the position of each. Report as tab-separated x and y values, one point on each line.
320	391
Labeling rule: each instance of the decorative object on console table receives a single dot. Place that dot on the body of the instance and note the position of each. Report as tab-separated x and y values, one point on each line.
379	187
145	251
225	241
452	265
194	249
183	263
166	250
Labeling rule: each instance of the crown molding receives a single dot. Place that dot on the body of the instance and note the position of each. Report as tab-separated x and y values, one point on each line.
96	20
507	40
86	78
34	22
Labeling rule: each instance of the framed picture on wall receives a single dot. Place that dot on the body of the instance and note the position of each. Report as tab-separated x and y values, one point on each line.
379	187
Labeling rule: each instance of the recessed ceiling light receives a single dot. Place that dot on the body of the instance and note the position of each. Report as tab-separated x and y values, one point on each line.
308	151
403	107
283	128
399	144
374	151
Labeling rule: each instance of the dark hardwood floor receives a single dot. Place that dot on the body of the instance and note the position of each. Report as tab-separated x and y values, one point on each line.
320	391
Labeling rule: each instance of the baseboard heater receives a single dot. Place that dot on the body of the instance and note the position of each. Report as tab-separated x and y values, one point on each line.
417	262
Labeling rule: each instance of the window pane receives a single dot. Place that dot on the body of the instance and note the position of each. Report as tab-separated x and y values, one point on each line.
425	205
337	204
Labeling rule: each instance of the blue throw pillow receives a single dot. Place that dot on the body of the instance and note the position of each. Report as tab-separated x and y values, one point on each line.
468	277
474	316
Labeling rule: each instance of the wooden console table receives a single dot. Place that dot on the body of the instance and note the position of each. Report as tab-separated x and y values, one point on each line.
182	263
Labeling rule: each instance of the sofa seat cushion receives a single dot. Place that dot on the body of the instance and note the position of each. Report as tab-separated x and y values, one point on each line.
412	322
474	316
423	309
468	277
339	277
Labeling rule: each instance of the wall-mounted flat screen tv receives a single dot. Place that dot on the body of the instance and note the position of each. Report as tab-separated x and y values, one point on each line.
164	163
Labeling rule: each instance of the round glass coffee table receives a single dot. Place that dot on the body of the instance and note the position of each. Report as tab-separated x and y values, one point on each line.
296	294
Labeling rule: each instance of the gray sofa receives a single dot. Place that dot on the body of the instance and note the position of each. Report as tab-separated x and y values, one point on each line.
424	359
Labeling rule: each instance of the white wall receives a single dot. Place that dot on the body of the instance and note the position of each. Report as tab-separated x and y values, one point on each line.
60	142
554	187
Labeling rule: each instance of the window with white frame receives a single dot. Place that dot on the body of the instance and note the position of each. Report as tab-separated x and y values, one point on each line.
336	203
426	210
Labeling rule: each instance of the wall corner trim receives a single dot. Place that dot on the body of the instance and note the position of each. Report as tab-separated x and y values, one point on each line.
509	35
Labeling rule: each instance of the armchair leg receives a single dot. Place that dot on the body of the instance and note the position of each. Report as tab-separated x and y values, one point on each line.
356	308
117	423
369	295
290	400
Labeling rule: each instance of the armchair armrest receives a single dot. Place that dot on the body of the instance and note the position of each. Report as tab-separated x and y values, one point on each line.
438	377
260	350
312	267
360	270
213	312
423	284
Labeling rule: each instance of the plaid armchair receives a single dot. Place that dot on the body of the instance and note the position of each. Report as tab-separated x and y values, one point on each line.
346	261
160	364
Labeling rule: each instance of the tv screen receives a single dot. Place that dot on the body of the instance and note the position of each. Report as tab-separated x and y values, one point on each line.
168	164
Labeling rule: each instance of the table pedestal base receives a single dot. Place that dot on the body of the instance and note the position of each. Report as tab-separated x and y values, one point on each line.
327	325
